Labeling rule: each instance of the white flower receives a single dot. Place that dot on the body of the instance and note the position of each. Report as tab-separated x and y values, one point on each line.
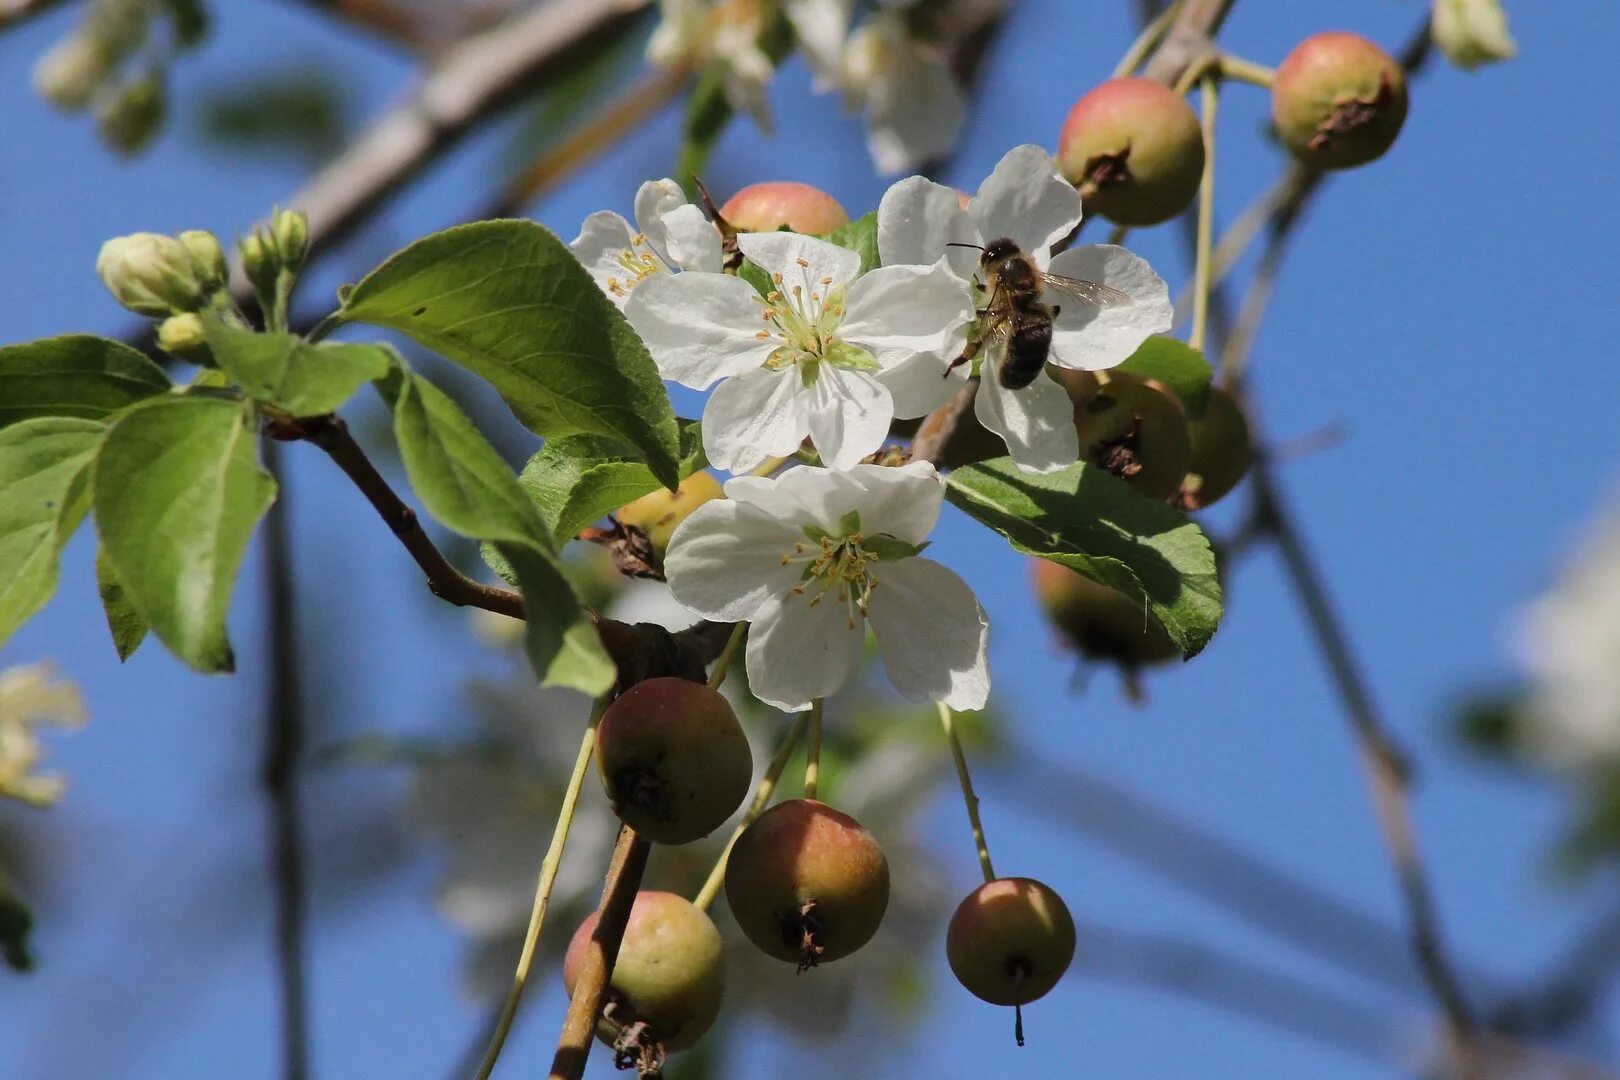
1472	32
809	558
914	106
670	234
1570	641
1024	199
694	33
814	358
30	698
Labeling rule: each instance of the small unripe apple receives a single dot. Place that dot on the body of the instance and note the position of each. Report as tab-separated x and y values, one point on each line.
658	512
673	759
1221	452
1134	149
670	975
784	204
1099	622
1010	941
1132	427
1338	100
807	884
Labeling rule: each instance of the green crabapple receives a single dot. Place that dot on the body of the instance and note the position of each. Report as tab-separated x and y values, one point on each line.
807	884
673	759
1098	622
669	979
1338	100
1222	452
777	204
1134	149
1132	427
659	512
1010	941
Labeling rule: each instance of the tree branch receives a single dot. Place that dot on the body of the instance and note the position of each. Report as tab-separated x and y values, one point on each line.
383	18
590	988
284	736
14	13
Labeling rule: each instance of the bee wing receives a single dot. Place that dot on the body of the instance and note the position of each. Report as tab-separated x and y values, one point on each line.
1093	293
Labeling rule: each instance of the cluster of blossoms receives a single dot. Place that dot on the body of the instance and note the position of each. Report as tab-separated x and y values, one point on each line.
803	345
890	65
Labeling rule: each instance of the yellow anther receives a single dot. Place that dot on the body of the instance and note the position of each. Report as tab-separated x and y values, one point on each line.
826	281
803	262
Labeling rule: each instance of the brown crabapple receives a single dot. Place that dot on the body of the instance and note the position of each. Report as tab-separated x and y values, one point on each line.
1132	427
1134	149
1338	100
1010	941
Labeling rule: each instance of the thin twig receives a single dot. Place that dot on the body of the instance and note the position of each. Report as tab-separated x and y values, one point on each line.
16	12
1205	236
284	734
331	434
970	798
1146	41
601	953
542	893
385	19
762	798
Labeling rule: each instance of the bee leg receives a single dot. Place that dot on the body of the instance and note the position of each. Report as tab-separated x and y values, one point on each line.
1056	311
969	351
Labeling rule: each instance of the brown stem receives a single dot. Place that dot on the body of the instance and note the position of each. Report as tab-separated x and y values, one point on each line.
590	988
940	427
16	12
331	434
387	19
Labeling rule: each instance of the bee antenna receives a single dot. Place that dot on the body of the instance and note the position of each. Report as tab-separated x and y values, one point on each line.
976	247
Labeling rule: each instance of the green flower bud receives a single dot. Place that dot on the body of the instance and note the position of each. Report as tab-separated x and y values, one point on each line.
70	73
259	260
150	274
207	257
132	114
183	336
1472	32
119	26
289	229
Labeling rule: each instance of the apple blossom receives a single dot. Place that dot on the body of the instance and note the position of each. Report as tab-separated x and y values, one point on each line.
813	358
670	234
809	558
694	33
1026	199
1472	32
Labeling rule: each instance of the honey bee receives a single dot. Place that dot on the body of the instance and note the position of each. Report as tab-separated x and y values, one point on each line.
1016	311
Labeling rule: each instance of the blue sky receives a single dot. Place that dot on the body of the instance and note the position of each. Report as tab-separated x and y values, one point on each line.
1452	306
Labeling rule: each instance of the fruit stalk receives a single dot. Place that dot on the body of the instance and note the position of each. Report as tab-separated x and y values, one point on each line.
1202	276
762	798
723	664
969	798
619	889
542	891
812	755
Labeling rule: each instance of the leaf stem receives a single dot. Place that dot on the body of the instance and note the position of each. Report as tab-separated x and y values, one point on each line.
722	664
969	798
542	891
812	754
601	953
1147	40
323	328
1206	219
762	797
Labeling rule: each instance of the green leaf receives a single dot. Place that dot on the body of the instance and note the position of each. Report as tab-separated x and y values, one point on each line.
577	480
463	482
294	376
178	491
1179	366
75	375
859	236
190	21
43	498
508	301
1096	524
127	626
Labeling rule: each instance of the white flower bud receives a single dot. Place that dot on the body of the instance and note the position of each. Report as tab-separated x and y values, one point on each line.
289	229
150	274
1472	32
207	257
69	74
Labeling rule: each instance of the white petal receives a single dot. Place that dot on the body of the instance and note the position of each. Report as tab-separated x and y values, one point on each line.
1027	199
807	495
753	416
797	653
725	560
782	252
932	634
1037	422
922	384
916	113
849	415
654	199
902	502
1091	338
691	241
896	312
918	218
603	240
699	327
821	27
